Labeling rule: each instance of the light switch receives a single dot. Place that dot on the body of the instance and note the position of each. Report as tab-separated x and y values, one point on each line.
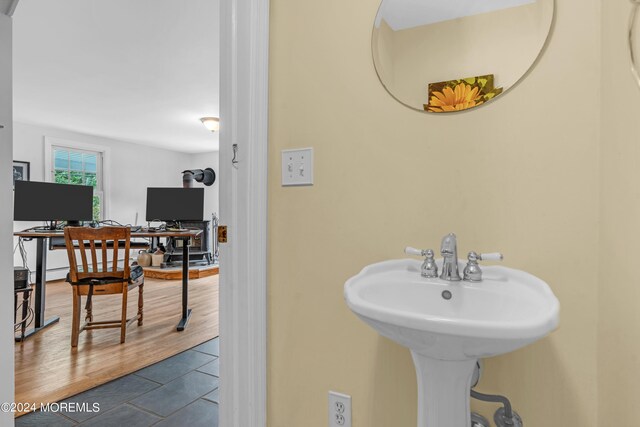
297	167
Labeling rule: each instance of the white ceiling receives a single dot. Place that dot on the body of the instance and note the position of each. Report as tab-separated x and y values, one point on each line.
404	14
142	71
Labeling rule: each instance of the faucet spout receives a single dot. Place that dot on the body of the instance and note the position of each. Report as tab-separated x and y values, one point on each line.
449	252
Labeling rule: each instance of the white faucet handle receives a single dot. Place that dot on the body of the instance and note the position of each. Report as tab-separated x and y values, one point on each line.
493	256
413	251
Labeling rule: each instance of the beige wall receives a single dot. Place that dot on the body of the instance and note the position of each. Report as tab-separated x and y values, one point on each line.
619	332
520	176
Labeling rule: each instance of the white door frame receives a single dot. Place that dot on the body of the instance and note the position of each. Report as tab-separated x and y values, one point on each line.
244	59
243	199
6	219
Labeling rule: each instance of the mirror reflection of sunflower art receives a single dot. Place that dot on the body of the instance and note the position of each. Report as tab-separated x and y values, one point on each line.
461	94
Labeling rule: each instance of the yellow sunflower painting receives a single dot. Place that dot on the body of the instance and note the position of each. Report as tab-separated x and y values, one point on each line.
462	94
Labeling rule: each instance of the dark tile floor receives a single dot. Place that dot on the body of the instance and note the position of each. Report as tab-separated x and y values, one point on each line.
179	391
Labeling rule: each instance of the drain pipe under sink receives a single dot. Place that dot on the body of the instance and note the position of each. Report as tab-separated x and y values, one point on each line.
503	417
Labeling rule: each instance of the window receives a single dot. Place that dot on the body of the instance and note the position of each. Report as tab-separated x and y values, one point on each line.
81	167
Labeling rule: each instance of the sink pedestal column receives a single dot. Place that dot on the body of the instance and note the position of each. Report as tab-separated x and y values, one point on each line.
443	391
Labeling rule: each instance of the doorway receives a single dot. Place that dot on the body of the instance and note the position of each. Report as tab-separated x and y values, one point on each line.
79	103
244	77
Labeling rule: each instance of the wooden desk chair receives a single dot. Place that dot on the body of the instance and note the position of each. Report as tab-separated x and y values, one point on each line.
94	277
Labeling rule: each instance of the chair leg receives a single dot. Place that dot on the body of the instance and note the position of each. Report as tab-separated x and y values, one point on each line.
75	321
89	317
123	325
140	303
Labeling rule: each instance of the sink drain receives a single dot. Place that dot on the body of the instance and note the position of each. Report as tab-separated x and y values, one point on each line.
446	295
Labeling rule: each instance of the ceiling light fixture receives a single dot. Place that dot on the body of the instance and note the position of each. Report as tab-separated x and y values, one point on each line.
211	123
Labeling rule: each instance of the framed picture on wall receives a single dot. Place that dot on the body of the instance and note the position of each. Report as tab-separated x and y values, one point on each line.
20	171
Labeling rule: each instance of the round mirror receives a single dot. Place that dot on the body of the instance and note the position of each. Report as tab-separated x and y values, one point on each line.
451	55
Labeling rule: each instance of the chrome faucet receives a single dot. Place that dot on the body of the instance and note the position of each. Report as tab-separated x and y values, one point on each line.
449	252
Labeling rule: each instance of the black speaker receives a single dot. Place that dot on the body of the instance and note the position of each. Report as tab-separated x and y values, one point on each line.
206	176
20	278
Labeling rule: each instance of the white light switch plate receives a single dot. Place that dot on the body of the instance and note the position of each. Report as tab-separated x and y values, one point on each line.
297	167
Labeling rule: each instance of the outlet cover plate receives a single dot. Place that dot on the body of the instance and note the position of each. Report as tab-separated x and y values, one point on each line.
297	167
339	410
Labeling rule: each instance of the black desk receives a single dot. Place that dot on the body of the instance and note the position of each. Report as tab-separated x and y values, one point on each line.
42	240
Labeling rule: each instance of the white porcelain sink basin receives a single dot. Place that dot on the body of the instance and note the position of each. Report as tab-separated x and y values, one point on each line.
507	310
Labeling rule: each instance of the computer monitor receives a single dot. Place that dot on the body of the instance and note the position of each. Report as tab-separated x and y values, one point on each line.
175	204
47	201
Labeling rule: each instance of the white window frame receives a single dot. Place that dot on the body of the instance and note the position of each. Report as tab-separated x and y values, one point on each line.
104	168
98	190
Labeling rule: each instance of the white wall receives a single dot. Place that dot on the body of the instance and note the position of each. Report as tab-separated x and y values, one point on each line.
133	168
6	215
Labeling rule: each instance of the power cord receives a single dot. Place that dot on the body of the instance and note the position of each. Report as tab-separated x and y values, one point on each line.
113	223
25	263
31	314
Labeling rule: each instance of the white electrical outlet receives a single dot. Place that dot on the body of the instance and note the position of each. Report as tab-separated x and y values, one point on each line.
339	410
297	167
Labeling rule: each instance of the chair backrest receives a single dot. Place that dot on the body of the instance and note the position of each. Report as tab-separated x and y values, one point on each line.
91	241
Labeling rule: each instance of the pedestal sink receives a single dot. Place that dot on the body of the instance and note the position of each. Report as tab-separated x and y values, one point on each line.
448	326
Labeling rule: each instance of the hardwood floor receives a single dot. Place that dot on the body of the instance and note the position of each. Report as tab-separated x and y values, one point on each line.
48	369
